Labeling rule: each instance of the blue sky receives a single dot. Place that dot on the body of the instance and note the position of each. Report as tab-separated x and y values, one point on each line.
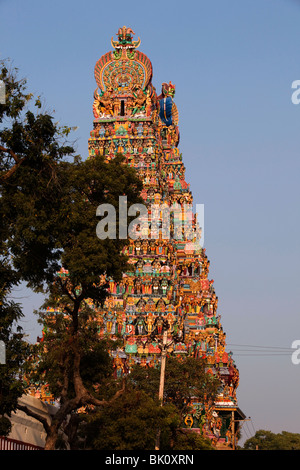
233	63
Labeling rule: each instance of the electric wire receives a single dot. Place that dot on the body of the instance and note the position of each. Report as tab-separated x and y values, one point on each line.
257	350
246	429
254	431
257	346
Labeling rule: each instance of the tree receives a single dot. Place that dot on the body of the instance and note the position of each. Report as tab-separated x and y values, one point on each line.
187	440
25	138
31	148
132	420
88	263
129	423
186	380
11	385
48	224
266	440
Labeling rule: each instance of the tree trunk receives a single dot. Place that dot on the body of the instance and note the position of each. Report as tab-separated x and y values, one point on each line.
51	440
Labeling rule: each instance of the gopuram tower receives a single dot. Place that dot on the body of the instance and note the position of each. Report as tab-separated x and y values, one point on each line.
168	288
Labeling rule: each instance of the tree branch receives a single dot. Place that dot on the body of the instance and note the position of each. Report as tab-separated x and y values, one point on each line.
36	416
16	158
12	154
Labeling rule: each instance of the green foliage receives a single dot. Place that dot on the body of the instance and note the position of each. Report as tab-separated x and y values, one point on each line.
5	426
86	185
48	221
53	359
16	97
266	440
187	440
132	421
185	380
16	349
129	423
29	151
48	204
11	386
71	334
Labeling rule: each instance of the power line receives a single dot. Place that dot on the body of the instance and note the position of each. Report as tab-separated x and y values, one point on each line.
252	425
244	430
277	351
247	430
257	350
262	355
259	347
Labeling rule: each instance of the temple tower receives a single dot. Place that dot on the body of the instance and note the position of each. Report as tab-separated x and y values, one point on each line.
169	286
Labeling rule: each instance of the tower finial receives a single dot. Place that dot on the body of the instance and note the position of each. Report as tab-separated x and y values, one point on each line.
125	39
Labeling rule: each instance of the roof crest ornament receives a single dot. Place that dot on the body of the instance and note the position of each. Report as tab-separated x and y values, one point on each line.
125	39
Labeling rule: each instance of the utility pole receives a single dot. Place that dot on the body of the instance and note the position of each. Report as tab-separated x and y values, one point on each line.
232	430
162	378
163	367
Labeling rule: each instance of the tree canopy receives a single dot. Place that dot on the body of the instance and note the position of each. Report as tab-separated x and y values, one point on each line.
186	379
267	440
136	418
49	198
26	138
